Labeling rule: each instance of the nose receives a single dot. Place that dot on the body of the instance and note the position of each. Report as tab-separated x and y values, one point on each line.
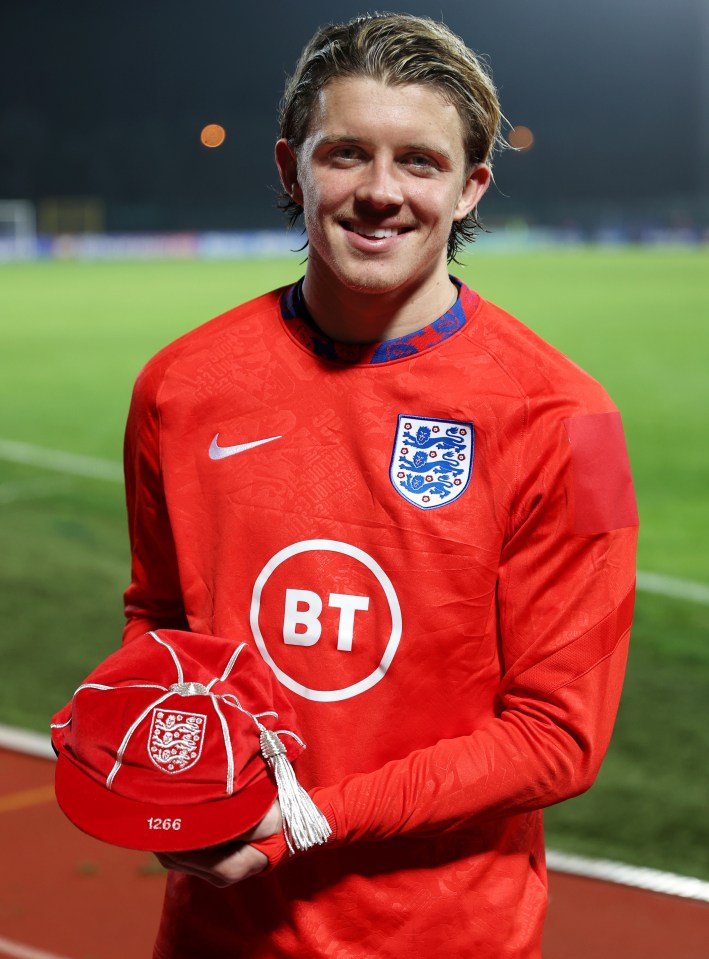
379	186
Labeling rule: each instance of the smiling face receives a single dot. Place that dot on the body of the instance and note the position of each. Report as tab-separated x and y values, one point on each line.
381	176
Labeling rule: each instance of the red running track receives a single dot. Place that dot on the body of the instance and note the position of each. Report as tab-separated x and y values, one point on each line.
64	895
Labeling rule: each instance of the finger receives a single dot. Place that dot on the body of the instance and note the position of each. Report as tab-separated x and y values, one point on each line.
181	865
220	866
213	877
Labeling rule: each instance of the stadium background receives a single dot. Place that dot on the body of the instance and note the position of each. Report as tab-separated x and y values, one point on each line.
107	100
119	230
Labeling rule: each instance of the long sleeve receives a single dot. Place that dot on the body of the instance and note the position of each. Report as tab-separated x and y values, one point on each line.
153	599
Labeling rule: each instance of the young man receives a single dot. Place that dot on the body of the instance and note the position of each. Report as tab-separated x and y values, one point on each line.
421	515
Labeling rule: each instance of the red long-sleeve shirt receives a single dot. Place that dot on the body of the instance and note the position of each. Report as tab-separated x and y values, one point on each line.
431	542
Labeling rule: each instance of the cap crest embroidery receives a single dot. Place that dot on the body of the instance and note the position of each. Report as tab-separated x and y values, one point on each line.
175	742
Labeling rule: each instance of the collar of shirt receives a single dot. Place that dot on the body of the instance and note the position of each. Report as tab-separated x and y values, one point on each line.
303	328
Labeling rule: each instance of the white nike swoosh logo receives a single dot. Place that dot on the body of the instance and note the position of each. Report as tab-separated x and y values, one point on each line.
217	452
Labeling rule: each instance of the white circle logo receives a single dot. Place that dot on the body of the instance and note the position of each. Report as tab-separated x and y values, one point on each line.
361	593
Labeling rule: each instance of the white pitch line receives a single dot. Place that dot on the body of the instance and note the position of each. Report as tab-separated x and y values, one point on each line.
76	464
670	586
26	741
19	951
639	877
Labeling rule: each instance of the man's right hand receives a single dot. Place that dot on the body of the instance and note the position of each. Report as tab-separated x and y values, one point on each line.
230	862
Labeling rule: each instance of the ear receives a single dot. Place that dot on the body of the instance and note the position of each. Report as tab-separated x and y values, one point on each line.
476	183
287	163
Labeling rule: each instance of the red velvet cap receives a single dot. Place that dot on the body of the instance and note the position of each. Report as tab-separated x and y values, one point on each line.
159	748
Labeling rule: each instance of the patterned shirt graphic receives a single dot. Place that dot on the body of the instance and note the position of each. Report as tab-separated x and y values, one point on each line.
431	543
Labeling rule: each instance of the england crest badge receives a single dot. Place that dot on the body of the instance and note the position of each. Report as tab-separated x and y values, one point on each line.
176	739
432	460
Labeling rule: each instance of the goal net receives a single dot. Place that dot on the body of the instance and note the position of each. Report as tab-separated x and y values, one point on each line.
18	229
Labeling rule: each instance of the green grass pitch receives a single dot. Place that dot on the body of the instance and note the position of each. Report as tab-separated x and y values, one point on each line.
74	336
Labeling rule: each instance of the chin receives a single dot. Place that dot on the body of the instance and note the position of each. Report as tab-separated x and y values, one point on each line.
368	278
370	284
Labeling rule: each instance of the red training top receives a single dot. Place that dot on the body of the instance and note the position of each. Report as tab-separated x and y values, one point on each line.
431	542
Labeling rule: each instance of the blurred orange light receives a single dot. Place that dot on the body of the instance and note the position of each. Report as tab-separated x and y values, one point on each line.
521	138
213	135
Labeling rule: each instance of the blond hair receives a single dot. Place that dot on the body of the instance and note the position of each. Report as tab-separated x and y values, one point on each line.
398	49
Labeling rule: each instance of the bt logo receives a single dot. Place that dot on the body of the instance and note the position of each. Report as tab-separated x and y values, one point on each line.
303	608
326	618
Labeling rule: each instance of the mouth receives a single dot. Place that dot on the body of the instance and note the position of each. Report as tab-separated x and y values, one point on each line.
375	233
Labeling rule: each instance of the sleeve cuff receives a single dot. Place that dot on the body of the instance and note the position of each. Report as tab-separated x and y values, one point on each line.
275	849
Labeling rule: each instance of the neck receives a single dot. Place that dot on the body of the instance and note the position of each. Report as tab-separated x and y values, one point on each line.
356	316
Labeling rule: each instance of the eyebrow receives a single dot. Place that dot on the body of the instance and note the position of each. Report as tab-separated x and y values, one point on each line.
413	147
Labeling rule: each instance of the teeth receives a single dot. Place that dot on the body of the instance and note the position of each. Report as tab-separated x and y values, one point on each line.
375	234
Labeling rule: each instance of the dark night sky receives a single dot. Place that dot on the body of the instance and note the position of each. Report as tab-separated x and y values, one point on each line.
108	100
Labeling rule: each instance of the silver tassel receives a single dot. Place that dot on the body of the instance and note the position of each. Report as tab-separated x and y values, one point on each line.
304	825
